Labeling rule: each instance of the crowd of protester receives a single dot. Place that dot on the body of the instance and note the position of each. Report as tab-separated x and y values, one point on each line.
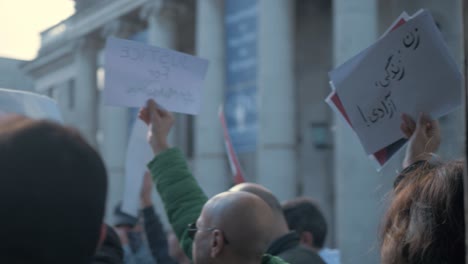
53	188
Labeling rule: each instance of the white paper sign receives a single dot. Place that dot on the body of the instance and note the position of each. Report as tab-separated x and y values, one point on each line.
136	72
29	104
139	154
347	67
408	71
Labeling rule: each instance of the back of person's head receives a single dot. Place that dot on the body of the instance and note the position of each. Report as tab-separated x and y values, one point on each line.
52	190
233	227
305	217
262	192
425	221
280	227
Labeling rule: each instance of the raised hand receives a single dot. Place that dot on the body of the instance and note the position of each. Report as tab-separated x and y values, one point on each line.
424	138
159	123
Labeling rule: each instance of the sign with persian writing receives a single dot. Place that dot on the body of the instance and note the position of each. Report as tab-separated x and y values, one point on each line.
136	72
408	71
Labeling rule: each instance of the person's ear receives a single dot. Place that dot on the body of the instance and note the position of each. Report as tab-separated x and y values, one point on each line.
307	238
217	243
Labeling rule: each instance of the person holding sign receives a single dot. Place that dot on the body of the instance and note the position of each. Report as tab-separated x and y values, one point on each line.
425	222
231	227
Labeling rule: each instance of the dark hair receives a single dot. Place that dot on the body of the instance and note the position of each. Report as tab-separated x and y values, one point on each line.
52	192
303	215
425	222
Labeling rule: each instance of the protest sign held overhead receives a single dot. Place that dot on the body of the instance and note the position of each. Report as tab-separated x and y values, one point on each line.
391	77
136	72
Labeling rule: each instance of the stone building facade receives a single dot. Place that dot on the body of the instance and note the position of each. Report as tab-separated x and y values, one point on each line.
301	148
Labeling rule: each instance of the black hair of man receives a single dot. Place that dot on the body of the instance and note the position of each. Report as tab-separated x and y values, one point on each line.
303	215
53	188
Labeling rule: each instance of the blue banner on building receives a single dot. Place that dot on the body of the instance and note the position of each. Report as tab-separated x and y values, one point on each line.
241	20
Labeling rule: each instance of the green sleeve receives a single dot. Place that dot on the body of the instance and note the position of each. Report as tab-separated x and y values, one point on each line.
182	196
268	259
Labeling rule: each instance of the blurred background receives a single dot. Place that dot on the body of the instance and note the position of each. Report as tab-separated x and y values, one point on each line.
269	61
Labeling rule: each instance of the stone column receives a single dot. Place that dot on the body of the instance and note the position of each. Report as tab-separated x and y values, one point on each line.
276	153
86	88
162	26
449	17
115	129
210	161
162	18
313	61
358	200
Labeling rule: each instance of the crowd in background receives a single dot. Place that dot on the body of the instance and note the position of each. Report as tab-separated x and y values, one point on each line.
53	188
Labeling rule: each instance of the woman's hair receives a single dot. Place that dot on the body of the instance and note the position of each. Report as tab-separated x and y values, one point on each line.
425	222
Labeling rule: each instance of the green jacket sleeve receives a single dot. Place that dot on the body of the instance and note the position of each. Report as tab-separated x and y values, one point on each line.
269	259
182	196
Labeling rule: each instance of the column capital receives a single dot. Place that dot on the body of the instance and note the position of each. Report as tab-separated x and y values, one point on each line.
118	28
168	9
86	42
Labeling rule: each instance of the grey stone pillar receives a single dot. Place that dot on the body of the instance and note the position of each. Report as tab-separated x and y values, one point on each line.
358	206
115	129
162	17
449	18
313	61
86	89
276	153
210	165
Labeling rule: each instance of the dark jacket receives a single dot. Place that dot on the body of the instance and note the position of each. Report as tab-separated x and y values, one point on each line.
288	248
156	237
110	251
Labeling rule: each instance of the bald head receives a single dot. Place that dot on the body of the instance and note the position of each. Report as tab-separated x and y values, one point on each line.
261	192
280	226
245	221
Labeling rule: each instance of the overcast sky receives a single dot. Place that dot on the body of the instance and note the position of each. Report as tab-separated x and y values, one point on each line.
21	21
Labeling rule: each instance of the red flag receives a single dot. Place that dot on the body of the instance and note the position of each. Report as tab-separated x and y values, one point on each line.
232	156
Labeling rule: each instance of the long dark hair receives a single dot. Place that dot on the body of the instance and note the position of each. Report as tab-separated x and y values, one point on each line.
425	221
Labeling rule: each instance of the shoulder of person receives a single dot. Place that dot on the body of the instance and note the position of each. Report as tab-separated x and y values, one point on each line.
269	259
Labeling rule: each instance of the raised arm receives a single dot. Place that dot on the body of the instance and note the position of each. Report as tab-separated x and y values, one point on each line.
155	234
182	196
